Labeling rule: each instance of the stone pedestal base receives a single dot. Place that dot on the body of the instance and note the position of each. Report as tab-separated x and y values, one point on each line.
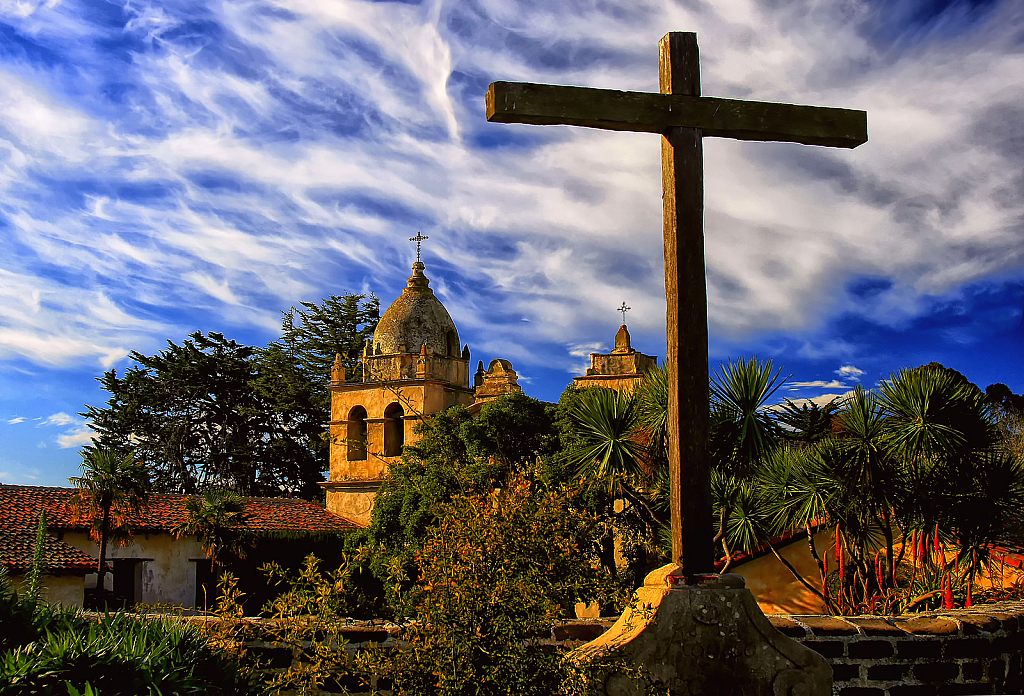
709	637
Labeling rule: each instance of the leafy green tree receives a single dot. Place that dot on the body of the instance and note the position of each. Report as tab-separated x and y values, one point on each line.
456	454
313	334
515	429
189	410
214	413
112	489
1002	398
1008	411
497	570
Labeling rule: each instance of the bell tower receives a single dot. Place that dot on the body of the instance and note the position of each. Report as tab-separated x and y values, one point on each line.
412	367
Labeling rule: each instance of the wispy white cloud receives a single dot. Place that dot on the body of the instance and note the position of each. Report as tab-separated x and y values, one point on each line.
159	177
820	383
263	169
75	434
583	351
16	420
850	372
76	437
820	400
60	419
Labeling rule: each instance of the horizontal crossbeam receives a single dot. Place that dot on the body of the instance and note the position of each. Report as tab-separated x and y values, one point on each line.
651	112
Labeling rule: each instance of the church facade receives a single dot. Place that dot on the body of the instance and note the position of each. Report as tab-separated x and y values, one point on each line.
413	367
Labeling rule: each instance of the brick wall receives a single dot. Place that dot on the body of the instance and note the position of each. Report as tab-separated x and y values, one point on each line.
966	651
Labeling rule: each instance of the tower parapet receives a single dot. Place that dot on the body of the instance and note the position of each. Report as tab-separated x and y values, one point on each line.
623	368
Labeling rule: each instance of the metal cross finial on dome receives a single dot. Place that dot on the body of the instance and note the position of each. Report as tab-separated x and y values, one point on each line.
623	309
419	240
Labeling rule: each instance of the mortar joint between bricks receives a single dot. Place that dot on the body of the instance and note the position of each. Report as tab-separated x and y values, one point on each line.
808	633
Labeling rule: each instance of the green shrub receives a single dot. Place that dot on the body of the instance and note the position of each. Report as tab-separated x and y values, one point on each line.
120	654
24	619
497	571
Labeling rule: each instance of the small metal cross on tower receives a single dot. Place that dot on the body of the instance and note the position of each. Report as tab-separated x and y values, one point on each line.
623	309
682	117
419	238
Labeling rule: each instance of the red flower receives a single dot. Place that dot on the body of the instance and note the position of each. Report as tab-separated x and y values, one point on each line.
947	597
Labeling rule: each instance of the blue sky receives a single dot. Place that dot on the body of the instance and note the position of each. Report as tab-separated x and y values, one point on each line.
172	166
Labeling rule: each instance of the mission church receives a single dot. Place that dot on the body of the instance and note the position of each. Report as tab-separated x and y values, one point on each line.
415	366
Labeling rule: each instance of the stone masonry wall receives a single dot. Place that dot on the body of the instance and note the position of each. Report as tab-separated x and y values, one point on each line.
966	651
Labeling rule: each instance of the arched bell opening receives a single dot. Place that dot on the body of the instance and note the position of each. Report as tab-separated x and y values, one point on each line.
356	434
394	430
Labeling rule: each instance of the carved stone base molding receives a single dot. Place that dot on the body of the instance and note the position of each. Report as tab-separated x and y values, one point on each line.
701	635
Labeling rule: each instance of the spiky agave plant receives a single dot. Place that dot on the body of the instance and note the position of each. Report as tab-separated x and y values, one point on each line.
742	430
606	423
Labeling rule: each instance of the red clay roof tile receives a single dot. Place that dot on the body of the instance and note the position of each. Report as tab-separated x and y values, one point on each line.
20	506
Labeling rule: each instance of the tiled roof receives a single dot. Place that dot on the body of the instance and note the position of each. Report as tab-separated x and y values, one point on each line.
20	506
17	546
19	517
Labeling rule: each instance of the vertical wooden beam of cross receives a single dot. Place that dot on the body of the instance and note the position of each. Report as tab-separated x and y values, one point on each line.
419	238
623	309
683	118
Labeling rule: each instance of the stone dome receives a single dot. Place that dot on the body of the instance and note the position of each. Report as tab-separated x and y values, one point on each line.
416	319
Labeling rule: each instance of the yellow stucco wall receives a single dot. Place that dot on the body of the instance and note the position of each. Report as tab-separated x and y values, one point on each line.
415	397
775	588
354	505
170	578
68	590
778	592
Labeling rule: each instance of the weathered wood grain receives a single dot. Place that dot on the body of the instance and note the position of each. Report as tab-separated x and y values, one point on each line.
682	167
525	102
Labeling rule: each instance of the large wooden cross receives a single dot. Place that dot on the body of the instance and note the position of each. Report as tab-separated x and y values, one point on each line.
682	117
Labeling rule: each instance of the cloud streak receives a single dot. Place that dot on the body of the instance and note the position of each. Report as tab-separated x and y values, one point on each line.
180	165
819	383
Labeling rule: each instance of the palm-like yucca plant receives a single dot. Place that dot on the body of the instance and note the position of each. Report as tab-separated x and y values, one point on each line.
113	489
616	449
989	508
803	491
931	414
809	422
609	449
742	431
216	519
872	472
653	412
941	428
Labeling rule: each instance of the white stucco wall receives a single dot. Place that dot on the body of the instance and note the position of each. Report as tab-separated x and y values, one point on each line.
170	578
68	590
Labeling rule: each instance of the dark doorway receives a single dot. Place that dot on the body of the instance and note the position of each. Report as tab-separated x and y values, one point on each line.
394	430
356	434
